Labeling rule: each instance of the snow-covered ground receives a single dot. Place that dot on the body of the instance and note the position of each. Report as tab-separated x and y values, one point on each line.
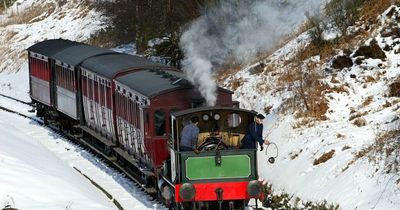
38	168
32	177
352	183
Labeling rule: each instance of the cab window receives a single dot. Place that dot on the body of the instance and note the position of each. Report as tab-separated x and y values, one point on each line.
159	122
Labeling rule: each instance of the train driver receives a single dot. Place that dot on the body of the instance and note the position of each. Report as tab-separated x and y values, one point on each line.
189	136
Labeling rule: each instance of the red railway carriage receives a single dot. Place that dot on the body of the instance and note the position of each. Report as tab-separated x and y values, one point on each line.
40	68
98	90
67	76
144	100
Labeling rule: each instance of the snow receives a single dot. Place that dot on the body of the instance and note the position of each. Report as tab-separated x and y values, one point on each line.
350	182
39	168
353	183
47	182
71	20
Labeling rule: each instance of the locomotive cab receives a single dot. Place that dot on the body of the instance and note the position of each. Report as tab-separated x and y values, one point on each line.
220	128
221	173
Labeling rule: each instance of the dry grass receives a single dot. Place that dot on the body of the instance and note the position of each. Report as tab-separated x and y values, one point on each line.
367	101
394	88
325	157
374	8
10	35
369	13
236	83
363	152
302	122
338	89
360	122
386	148
387	104
103	38
334	80
340	136
33	14
357	118
324	50
370	79
304	79
354	114
226	71
384	140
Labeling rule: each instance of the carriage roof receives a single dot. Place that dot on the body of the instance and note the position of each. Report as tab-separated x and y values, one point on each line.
213	108
111	64
74	55
52	46
154	82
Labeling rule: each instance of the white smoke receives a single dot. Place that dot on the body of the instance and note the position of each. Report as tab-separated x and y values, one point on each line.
237	30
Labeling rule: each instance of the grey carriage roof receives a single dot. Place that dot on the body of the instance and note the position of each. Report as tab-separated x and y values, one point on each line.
77	54
154	82
109	65
215	108
52	46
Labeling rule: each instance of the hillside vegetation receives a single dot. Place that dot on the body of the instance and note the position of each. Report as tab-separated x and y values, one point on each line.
332	95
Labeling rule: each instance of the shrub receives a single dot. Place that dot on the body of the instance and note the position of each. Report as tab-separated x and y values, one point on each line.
317	26
394	89
370	51
360	122
325	157
103	38
343	13
6	3
387	148
341	62
289	202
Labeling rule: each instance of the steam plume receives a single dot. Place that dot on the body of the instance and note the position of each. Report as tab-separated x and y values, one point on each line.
238	30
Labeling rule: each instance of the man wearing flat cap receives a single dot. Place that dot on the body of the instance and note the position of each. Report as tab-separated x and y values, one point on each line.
254	134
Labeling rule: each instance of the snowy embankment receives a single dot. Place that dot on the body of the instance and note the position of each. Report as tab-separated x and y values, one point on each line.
32	177
28	22
353	177
38	168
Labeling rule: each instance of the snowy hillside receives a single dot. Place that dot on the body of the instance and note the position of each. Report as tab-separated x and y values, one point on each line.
29	21
38	168
346	158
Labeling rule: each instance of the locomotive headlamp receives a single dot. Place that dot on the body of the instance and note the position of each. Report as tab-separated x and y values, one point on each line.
187	191
254	188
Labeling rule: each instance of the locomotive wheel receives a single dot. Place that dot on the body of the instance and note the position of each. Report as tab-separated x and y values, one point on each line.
212	143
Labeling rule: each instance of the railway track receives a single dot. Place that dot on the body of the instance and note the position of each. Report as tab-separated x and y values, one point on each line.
83	144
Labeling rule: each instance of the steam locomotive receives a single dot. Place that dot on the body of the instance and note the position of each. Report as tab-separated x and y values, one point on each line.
131	111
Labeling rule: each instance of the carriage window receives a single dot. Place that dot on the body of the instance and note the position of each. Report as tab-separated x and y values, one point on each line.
234	120
159	122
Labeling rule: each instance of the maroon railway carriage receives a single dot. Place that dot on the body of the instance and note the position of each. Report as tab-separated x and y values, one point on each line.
67	77
144	101
40	69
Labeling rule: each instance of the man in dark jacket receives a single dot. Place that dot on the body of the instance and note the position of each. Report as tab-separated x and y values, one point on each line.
189	135
254	134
